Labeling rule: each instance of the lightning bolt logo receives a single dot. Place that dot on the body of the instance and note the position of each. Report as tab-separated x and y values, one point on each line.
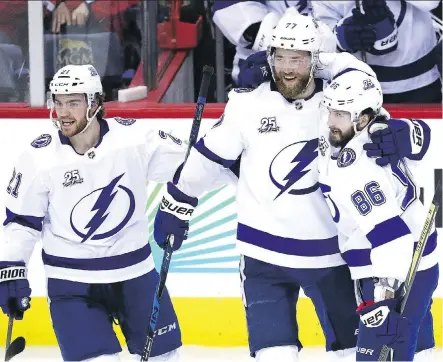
101	206
306	155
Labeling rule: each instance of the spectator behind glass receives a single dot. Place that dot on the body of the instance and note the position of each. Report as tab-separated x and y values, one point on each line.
398	40
97	19
99	15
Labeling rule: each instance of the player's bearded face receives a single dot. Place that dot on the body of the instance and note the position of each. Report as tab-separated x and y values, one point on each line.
340	126
71	113
291	71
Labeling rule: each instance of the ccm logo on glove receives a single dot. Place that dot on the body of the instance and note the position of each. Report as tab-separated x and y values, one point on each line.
172	208
375	317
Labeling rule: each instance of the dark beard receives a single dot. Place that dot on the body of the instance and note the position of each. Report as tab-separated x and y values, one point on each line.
294	91
343	138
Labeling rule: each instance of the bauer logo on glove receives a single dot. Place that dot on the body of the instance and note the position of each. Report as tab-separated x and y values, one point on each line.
175	208
376	317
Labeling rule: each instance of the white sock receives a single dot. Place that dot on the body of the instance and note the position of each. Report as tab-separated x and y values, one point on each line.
426	355
104	358
275	354
173	356
343	355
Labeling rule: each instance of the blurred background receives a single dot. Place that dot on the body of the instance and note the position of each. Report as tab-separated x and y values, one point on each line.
164	44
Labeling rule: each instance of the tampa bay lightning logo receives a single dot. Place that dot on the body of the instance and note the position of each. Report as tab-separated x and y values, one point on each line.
41	141
296	157
346	157
99	226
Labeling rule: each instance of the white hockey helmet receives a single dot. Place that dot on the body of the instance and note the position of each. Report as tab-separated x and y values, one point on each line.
354	92
296	32
73	79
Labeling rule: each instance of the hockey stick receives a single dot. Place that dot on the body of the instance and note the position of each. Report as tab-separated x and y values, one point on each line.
18	345
358	7
201	100
416	257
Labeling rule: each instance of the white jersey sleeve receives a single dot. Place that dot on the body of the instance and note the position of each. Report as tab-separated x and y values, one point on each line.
330	65
234	17
210	159
426	5
372	203
26	206
163	153
328	12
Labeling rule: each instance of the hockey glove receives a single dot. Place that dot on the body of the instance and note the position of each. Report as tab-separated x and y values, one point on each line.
380	324
173	217
395	139
379	15
376	10
355	33
15	293
254	70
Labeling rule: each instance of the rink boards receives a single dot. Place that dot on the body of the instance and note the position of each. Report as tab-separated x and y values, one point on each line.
203	279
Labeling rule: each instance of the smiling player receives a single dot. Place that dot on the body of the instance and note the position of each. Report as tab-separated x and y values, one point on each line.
82	190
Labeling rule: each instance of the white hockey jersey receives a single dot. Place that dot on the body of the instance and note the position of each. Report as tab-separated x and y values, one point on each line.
377	211
234	17
282	215
412	65
89	210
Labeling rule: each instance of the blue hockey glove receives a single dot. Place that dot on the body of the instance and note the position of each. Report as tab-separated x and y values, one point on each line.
173	217
395	139
379	15
355	33
254	70
380	324
15	293
376	10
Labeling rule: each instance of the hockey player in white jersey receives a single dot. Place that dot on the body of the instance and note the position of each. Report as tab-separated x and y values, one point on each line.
398	40
286	236
246	23
82	190
379	217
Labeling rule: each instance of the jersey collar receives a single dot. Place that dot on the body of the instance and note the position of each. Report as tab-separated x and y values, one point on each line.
104	128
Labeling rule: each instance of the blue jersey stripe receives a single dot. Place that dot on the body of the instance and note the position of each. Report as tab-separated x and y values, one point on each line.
388	231
33	222
105	263
288	246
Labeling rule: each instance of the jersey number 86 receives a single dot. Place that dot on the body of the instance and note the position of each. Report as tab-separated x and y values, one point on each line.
371	196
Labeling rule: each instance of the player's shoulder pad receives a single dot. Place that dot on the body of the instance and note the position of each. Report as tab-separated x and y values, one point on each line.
125	121
42	141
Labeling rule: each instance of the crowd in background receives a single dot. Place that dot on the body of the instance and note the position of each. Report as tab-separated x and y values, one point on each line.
108	34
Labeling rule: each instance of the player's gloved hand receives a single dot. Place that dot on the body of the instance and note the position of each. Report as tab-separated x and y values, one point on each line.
15	293
381	324
378	14
395	139
376	10
355	33
173	217
254	70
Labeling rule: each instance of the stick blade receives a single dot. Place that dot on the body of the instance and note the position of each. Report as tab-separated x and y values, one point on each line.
16	347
